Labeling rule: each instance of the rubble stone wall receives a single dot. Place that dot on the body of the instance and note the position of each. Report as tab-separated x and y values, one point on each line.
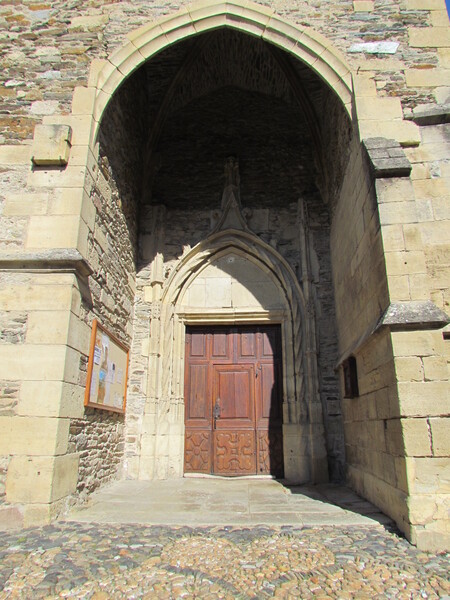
98	436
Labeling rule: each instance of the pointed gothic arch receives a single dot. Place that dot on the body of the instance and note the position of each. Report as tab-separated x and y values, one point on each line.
164	402
305	44
301	401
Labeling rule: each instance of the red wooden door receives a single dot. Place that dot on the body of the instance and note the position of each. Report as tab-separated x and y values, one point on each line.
233	400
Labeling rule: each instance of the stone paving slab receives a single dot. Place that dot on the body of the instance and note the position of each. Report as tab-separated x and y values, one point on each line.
225	501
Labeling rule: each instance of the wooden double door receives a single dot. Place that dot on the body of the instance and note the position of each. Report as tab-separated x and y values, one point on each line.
233	395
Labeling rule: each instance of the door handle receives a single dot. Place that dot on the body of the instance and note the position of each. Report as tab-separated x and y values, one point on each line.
216	411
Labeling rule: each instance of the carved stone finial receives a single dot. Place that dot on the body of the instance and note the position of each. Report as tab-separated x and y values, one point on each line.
232	181
231	215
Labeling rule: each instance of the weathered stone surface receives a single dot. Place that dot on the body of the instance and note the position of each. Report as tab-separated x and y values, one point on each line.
62	259
13	327
431	114
98	439
387	158
375	47
51	144
414	315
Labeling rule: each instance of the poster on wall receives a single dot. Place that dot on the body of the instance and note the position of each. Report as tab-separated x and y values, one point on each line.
106	385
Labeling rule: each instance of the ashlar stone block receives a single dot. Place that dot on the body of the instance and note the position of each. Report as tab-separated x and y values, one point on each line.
56	231
440	429
363	5
426	508
393	240
405	132
436	368
364	85
417	343
31	362
409	368
427	475
51	145
424	4
416	437
399	288
83	100
96	67
427	77
372	108
429	37
41	479
25	205
431	540
14	155
33	435
439	18
423	399
50	399
404	263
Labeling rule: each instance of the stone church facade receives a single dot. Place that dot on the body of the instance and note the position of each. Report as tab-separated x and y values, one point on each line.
191	174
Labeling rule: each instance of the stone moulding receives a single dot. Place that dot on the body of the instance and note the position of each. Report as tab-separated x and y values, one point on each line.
61	260
404	316
303	43
430	114
301	402
386	158
415	315
260	254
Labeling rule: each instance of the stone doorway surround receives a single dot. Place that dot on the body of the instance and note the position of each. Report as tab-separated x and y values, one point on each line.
232	277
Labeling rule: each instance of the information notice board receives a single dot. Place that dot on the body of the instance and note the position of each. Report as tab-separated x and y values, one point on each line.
107	374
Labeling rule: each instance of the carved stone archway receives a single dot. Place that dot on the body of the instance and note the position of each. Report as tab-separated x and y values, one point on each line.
305	44
303	431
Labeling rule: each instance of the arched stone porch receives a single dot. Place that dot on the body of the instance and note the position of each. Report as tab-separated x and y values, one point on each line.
125	206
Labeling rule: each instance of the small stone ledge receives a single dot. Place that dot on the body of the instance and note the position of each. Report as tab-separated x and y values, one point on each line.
403	316
59	260
429	114
51	145
386	158
400	316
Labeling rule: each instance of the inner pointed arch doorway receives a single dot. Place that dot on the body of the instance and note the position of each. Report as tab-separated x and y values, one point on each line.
233	400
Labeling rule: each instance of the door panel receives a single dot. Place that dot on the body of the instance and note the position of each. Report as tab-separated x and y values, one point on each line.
270	343
234	394
199	406
270	451
234	453
197	453
269	407
221	342
240	366
198	344
246	345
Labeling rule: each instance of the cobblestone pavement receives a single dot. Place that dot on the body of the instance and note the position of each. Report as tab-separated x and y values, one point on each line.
101	561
